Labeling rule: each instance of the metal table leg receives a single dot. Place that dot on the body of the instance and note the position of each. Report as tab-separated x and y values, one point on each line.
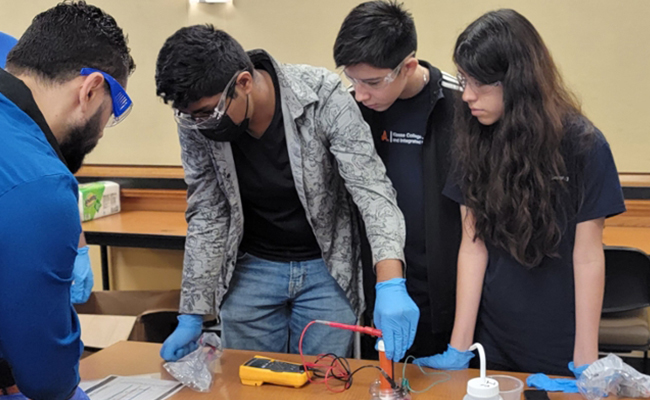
105	276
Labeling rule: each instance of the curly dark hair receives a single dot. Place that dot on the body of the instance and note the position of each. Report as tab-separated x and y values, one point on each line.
198	61
511	173
68	37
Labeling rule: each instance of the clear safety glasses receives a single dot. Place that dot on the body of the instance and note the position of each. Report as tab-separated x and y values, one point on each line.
122	103
379	83
209	120
464	81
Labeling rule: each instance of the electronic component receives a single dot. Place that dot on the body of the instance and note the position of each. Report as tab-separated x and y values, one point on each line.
259	370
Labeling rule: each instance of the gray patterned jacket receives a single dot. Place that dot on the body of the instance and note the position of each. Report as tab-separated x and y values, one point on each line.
334	164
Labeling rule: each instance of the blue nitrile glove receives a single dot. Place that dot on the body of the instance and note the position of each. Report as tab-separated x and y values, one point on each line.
396	315
452	359
183	340
82	275
79	395
579	370
541	381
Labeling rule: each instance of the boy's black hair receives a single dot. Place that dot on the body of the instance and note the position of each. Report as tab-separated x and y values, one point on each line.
68	37
378	33
196	62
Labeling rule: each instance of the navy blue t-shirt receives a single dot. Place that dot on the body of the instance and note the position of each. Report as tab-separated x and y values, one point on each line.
526	319
403	128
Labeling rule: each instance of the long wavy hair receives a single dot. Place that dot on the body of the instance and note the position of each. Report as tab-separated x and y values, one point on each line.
513	173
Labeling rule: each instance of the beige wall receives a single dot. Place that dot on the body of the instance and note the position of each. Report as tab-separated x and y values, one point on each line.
601	46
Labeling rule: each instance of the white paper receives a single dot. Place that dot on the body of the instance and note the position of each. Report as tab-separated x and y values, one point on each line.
132	388
85	385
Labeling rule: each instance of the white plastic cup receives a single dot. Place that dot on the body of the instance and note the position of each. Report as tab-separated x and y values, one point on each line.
510	388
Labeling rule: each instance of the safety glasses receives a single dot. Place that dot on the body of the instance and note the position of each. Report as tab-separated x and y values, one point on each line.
122	103
209	120
479	87
380	82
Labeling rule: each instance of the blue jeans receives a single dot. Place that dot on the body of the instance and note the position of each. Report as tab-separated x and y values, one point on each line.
269	303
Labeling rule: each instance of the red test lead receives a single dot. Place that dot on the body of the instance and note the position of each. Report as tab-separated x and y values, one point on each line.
355	328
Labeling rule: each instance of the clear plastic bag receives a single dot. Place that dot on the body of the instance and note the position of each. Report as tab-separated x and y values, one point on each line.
195	370
610	375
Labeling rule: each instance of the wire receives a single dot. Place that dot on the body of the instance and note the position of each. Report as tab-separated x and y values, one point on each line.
390	380
407	385
330	366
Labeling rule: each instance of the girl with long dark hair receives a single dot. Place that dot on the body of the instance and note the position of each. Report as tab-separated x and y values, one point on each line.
535	180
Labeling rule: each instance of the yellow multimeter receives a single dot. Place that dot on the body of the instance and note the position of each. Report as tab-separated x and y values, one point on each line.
259	370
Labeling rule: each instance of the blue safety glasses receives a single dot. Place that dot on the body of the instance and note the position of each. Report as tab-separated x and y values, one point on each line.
122	103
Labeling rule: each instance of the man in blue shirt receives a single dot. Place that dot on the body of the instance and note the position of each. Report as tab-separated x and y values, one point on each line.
56	96
82	283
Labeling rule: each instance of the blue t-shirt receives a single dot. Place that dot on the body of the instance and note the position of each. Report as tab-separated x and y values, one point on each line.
6	44
39	329
526	320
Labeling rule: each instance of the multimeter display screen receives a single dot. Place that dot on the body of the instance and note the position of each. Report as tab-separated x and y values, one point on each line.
276	366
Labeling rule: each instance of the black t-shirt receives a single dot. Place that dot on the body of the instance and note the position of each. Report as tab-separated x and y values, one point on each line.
275	223
526	319
399	139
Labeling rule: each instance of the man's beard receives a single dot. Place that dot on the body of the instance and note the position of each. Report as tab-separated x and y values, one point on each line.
80	141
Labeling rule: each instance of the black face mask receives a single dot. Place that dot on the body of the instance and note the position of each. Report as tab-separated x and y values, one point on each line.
227	131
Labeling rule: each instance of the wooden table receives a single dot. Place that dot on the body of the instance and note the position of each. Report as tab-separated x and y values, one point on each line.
167	230
144	229
136	358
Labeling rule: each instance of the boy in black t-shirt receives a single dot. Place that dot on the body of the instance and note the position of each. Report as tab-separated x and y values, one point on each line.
408	104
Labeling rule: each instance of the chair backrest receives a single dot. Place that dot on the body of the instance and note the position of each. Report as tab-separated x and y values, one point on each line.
627	279
158	325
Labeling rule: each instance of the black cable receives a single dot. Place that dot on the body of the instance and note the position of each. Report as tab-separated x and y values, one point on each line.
346	378
390	380
345	365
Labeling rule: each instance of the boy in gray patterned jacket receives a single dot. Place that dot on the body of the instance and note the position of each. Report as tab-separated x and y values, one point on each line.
277	160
